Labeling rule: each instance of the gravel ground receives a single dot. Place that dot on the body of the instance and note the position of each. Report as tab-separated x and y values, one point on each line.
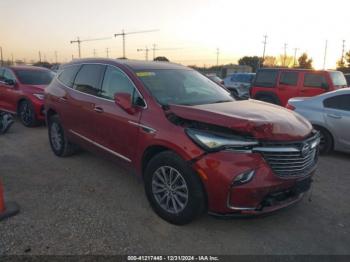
88	205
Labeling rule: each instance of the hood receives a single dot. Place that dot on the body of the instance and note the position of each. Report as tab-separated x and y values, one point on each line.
259	119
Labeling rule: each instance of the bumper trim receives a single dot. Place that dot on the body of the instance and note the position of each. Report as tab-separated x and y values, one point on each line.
234	207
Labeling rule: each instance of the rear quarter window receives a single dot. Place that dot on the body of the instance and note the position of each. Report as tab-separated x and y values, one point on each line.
266	78
340	102
315	80
67	75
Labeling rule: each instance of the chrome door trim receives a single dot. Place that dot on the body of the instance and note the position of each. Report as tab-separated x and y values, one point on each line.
100	146
149	129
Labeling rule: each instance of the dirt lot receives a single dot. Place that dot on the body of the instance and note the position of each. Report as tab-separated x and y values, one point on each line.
88	205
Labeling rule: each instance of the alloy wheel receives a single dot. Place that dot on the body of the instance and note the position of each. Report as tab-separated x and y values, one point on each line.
56	136
170	189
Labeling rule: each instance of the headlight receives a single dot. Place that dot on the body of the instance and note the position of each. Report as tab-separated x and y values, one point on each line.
215	142
39	96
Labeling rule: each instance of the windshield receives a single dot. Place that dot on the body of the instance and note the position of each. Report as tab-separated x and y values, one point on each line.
338	78
183	87
35	77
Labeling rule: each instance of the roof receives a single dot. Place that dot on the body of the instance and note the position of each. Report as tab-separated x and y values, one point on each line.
295	69
134	65
24	67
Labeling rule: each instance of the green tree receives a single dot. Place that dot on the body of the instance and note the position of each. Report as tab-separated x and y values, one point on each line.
161	58
253	61
305	62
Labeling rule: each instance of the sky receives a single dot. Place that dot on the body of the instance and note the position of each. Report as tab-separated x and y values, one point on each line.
188	31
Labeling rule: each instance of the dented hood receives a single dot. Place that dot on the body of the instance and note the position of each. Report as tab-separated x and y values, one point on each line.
259	119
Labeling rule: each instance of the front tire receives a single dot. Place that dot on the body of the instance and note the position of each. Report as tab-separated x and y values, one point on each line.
59	142
173	189
27	114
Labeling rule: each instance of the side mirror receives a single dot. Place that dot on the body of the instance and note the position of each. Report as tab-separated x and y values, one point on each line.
9	82
124	101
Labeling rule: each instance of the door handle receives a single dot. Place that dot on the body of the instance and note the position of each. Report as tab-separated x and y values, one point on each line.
334	116
98	109
62	99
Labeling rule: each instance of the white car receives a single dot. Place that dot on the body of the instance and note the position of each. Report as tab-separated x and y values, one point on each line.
329	113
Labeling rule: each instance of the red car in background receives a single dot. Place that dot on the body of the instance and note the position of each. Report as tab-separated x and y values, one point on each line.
277	86
22	92
196	147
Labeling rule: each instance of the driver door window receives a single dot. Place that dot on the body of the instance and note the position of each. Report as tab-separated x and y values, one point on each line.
115	81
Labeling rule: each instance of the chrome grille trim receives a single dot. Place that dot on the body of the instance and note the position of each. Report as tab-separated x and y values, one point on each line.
291	159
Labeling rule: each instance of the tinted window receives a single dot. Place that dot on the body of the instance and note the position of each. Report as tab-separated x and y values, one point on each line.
338	78
289	78
88	79
34	77
115	81
68	74
315	80
266	78
347	77
341	102
8	75
183	87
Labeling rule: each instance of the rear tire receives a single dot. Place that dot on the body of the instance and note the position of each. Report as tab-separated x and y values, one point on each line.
59	142
326	144
26	114
173	189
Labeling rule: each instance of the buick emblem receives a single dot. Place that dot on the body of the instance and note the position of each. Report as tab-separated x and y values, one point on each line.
305	150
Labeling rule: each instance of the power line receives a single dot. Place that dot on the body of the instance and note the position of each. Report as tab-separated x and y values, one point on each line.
154	49
78	41
123	34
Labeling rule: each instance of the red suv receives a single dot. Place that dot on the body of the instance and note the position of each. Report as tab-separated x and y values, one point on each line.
277	86
196	148
22	92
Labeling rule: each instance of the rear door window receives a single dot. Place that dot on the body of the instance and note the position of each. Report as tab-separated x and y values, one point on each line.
340	102
68	74
315	80
89	78
289	78
266	78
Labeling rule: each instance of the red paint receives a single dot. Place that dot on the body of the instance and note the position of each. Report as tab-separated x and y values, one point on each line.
10	96
115	129
282	92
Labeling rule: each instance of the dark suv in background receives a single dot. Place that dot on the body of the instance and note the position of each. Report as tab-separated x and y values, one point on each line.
277	86
196	148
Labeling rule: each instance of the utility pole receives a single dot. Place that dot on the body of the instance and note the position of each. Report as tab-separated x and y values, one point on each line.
325	55
13	62
295	56
39	56
342	54
94	52
285	54
2	59
154	50
123	34
217	56
146	52
264	50
107	52
78	41
56	57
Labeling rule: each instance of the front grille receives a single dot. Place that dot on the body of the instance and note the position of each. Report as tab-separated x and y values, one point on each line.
291	159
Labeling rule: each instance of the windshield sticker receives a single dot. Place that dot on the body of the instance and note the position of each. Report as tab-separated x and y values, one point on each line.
145	74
